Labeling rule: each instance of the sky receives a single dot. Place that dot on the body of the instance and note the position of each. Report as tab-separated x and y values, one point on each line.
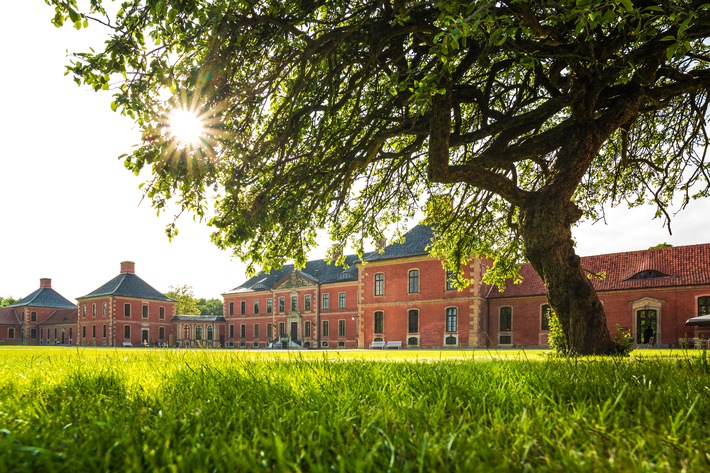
71	212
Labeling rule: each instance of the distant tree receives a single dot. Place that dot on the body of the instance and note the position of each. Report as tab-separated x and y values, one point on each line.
210	306
507	121
661	245
6	301
186	302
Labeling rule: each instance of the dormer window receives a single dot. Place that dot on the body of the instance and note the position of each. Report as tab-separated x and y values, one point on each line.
648	274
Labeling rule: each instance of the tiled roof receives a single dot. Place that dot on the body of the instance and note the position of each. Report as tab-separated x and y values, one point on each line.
315	270
45	297
128	285
416	243
9	316
62	316
671	266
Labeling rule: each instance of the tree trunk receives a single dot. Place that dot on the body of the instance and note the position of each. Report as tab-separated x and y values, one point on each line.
546	228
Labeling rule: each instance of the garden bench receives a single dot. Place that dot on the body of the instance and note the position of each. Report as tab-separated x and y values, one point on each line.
394	344
380	344
127	344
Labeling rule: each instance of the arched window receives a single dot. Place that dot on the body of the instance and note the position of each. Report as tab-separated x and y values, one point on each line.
210	332
198	332
186	328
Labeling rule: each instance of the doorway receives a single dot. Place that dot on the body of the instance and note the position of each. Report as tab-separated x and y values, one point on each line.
294	331
646	326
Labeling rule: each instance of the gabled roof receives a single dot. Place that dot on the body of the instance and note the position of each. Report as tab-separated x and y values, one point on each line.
128	285
416	243
315	271
62	316
45	297
658	267
9	316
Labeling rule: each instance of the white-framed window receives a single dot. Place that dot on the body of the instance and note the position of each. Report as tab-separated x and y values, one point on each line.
161	312
341	327
294	303
126	310
105	309
450	280
380	284
452	316
11	333
341	300
145	311
379	317
256	306
326	301
243	331
282	304
413	281
269	305
307	303
93	310
505	319
413	321
256	330
326	328
242	307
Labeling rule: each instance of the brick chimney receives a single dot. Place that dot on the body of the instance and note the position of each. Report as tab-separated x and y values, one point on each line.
128	267
381	244
45	282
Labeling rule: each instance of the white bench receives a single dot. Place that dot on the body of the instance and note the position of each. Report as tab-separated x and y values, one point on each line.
127	344
379	344
394	344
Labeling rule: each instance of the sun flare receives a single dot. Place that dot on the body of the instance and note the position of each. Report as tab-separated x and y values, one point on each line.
186	127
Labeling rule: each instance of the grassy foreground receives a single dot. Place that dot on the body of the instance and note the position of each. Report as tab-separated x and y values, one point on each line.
143	410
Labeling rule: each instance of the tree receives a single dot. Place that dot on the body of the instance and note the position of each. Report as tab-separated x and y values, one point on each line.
186	302
6	301
210	306
506	121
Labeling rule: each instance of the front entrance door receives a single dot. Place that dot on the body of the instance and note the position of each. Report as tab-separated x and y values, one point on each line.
294	331
144	336
646	326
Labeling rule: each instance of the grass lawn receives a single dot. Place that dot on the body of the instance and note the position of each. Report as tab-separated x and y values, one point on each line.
93	409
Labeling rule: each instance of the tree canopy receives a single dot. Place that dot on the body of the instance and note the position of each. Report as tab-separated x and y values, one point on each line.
6	301
505	122
186	302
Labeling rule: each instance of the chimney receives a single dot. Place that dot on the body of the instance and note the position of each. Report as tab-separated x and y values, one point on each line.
128	267
45	282
380	244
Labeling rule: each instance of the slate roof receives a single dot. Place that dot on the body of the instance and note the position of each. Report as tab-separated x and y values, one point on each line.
45	297
416	243
9	316
325	273
671	267
128	285
62	316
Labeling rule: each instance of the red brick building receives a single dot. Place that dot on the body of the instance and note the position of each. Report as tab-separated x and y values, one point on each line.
44	317
402	296
650	293
126	311
313	307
